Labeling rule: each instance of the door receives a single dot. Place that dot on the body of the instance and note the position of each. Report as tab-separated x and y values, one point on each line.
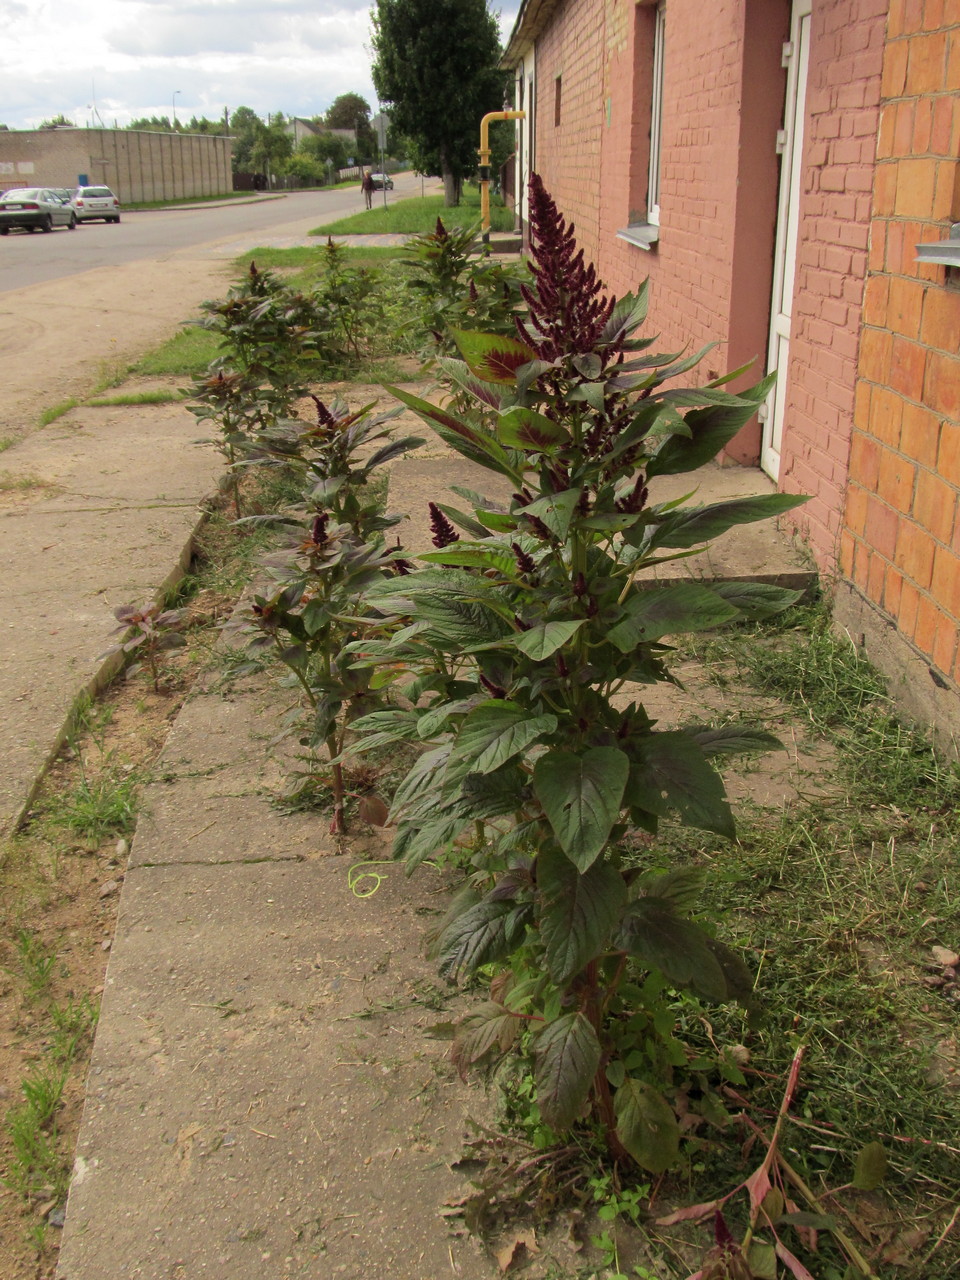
797	58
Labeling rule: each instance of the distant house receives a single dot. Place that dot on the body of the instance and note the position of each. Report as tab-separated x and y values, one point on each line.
300	129
771	166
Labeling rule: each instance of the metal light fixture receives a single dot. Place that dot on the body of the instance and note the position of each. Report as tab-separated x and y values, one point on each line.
946	252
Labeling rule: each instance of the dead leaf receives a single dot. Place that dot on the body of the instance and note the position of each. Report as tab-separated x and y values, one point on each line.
513	1250
693	1213
794	1264
900	1252
372	810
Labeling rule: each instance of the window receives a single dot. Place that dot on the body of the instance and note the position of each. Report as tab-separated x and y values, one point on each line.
645	132
556	104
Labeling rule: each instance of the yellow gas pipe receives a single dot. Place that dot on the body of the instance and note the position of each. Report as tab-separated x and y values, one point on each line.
485	165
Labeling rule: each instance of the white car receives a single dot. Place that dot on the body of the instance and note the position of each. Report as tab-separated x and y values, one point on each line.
96	202
33	209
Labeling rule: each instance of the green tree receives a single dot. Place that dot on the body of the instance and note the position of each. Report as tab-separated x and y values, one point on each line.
436	65
351	111
245	129
273	145
319	148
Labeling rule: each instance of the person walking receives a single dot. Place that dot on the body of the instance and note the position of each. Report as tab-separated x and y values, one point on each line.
367	186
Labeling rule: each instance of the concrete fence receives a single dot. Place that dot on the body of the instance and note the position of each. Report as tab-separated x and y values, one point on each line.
137	166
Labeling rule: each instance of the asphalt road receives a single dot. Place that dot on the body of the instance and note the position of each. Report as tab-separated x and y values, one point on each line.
154	234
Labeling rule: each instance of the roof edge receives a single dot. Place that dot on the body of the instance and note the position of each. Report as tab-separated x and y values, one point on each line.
532	17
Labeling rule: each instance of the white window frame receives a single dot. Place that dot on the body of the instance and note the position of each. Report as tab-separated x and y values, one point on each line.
656	118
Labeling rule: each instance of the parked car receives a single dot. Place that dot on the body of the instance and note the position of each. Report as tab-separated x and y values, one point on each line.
96	202
33	208
381	181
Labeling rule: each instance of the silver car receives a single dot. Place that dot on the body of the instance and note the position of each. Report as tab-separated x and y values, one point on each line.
96	202
34	208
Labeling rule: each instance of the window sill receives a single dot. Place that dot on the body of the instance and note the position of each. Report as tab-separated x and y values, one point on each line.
642	234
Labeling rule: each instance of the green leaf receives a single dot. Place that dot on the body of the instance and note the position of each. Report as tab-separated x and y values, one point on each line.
495	731
543	641
762	1260
670	771
681	887
653	612
646	1125
871	1167
578	912
415	841
526	429
567	1057
465	622
462	436
581	796
494	795
556	511
757	600
703	524
678	948
474	556
710	429
493	357
733	739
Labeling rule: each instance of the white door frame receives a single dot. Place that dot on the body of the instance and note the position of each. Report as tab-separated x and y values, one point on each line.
796	59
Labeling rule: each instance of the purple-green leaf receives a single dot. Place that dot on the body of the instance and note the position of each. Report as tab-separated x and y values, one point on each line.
581	796
493	357
567	1057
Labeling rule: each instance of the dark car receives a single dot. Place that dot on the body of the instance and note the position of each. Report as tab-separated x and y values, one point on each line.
32	208
381	181
96	202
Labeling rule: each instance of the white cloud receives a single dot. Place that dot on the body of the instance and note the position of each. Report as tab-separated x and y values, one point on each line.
130	57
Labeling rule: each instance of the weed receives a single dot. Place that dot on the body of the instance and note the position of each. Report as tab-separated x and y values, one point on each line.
98	806
7	442
35	963
57	411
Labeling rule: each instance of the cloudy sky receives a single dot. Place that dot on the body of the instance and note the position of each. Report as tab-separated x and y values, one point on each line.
128	58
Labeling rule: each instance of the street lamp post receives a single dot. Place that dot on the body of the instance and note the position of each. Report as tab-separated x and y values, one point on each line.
175	92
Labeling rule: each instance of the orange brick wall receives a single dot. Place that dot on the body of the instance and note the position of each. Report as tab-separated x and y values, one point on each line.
901	538
842	111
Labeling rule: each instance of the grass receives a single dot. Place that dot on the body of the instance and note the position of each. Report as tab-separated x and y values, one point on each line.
306	261
417	216
135	398
7	442
57	411
38	1166
186	354
189	200
836	902
11	483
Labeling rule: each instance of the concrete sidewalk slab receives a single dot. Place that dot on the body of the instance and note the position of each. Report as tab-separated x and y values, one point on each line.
115	526
263	1099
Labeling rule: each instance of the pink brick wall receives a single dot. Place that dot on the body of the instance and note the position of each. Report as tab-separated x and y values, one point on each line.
901	540
718	166
843	99
568	156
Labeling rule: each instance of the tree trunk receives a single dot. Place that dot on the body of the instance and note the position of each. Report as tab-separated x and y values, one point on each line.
451	185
